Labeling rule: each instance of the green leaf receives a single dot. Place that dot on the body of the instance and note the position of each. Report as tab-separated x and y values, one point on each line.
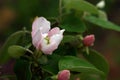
52	64
78	65
97	60
71	23
102	23
14	39
67	49
16	51
86	76
22	70
102	15
80	5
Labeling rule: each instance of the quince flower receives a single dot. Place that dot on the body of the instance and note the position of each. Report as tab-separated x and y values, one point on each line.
44	38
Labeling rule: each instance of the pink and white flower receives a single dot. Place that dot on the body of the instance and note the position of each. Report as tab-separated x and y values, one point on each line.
43	37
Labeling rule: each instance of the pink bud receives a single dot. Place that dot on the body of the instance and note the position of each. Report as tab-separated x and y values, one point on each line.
89	40
64	75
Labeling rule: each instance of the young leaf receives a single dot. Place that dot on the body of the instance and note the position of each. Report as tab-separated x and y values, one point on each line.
97	60
102	23
78	65
12	40
16	51
80	5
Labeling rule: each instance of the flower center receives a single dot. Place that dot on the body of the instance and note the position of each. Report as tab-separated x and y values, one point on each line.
47	39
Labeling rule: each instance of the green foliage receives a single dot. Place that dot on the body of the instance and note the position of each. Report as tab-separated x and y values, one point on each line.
23	70
16	51
66	49
14	39
71	23
102	15
86	76
97	60
28	9
69	38
102	23
52	64
78	65
80	5
71	16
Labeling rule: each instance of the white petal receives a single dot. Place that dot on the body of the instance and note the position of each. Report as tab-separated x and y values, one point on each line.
53	45
42	24
56	38
36	38
62	31
49	48
53	31
101	4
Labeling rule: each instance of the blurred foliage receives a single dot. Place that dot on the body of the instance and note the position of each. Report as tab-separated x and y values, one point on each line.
30	9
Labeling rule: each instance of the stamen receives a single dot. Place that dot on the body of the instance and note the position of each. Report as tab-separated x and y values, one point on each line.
47	39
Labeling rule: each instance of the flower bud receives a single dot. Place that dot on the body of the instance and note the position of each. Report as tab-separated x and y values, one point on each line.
89	40
64	75
101	4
